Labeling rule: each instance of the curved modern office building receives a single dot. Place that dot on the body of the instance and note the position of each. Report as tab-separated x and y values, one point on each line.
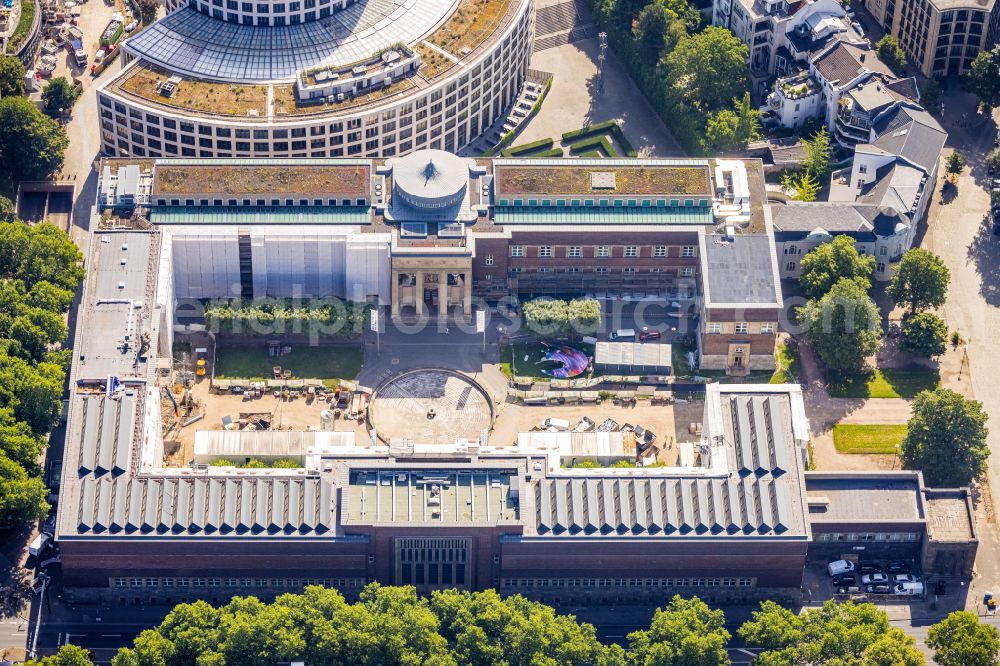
316	78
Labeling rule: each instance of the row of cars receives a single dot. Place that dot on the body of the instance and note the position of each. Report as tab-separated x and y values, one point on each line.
872	578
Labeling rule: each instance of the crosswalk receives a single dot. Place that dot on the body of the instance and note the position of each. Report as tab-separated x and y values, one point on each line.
562	23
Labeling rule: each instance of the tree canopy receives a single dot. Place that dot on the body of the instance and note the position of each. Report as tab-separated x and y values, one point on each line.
11	76
388	625
960	640
686	632
733	129
31	143
147	10
59	94
921	281
835	634
828	263
983	78
946	438
844	326
818	153
708	69
925	334
549	317
891	53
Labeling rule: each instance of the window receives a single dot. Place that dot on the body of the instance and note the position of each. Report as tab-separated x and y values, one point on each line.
742	327
574	251
862	168
628	270
790	266
600	269
631	251
545	251
603	251
489	260
517	250
883	251
713	327
767	328
660	251
687	251
687	272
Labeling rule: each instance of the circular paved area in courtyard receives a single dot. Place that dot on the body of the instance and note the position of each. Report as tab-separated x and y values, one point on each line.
400	408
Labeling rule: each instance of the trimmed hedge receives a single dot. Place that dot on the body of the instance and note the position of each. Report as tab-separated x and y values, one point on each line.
623	142
590	130
23	29
555	152
509	136
597	143
528	148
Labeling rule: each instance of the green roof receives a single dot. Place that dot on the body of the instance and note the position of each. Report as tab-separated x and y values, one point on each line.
603	215
260	215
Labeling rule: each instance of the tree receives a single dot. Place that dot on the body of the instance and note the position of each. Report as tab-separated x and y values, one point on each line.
921	281
684	632
819	152
806	187
930	95
387	625
844	326
7	211
890	53
22	497
960	640
924	334
828	263
68	655
992	159
11	76
59	94
946	438
954	165
554	318
147	10
721	128
651	28
707	69
983	78
31	143
835	634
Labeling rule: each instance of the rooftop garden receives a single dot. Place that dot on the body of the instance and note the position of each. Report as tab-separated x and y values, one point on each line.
348	179
685	181
471	25
229	99
432	63
286	103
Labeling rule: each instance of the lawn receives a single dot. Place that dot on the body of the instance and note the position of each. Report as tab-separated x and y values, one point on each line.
330	364
533	349
851	438
788	368
887	383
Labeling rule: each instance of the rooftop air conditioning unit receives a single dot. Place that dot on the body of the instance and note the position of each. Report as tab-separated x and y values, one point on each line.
340	97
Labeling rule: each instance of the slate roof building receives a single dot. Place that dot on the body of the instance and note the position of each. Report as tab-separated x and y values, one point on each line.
733	519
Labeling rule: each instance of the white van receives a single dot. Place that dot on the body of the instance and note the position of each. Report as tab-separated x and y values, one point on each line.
623	334
38	544
838	567
909	589
561	425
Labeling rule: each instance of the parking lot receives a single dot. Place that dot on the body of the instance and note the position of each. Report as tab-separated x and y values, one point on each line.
894	583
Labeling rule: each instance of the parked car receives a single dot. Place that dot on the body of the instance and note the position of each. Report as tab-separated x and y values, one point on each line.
882	588
842	580
870	568
849	589
898	567
874	578
646	336
839	567
906	578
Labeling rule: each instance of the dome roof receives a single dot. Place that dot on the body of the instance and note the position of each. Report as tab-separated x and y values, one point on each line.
430	178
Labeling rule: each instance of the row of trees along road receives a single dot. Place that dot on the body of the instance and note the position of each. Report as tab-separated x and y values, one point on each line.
694	76
392	625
